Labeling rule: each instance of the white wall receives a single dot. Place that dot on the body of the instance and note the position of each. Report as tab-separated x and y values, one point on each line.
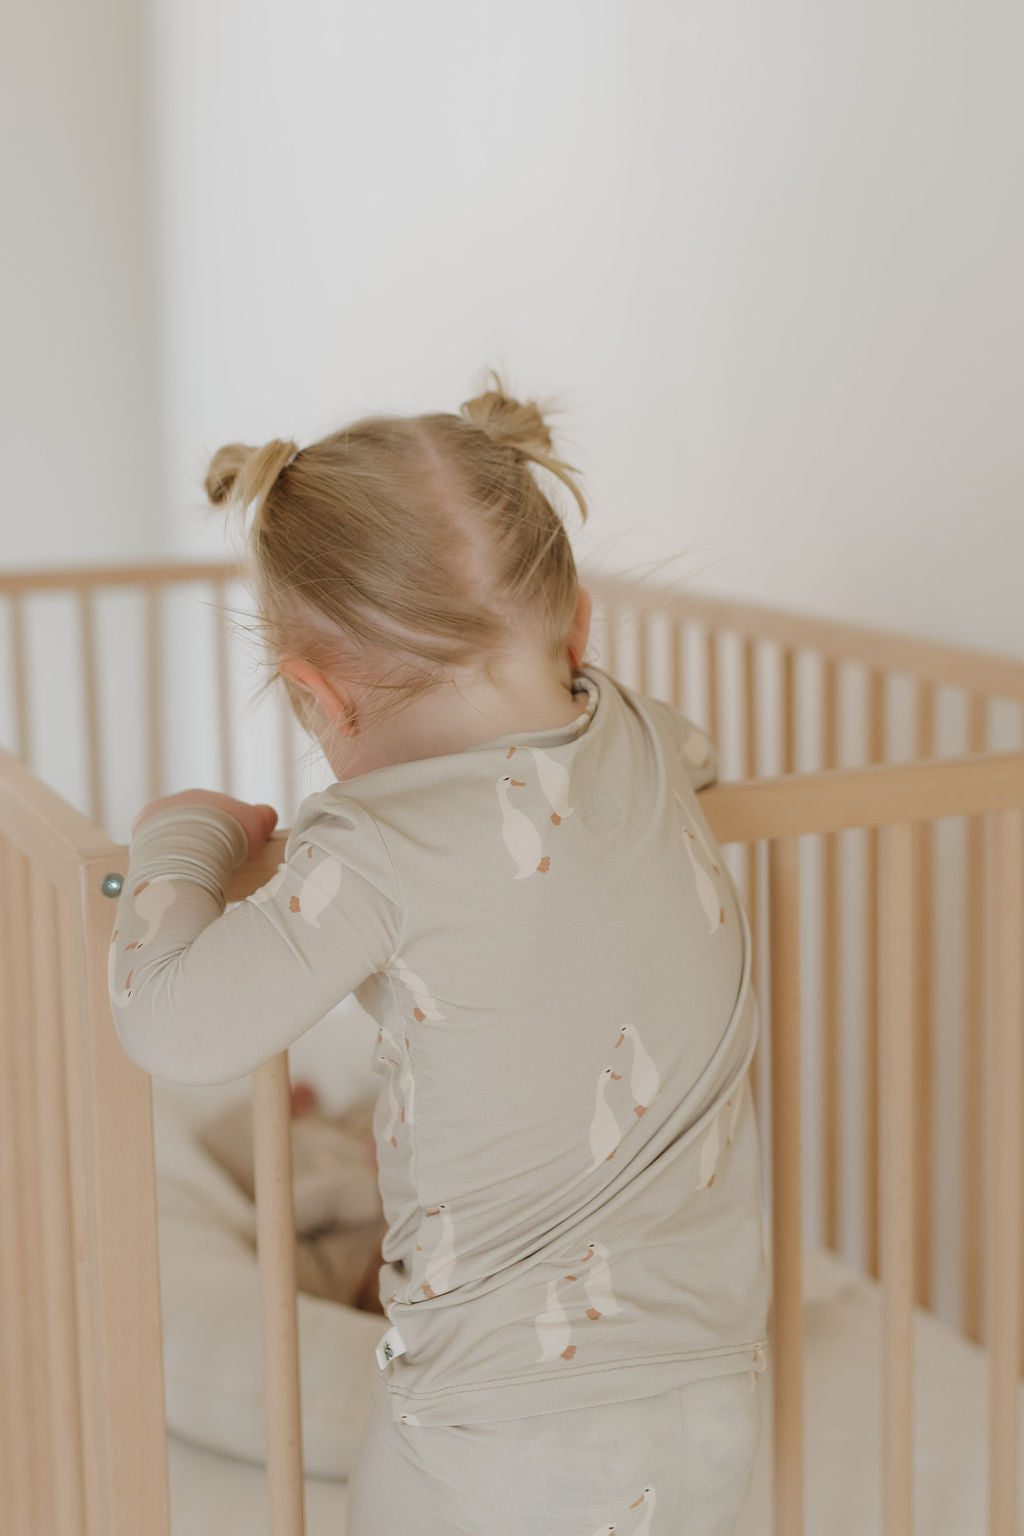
767	256
78	375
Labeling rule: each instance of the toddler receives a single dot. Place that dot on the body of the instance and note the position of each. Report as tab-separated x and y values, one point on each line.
513	874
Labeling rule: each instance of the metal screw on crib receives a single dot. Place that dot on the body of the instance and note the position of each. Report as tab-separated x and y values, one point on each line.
111	885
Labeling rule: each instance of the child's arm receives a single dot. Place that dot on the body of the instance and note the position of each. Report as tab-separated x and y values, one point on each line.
201	995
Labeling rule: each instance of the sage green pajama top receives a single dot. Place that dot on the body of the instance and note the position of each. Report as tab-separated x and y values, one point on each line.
558	962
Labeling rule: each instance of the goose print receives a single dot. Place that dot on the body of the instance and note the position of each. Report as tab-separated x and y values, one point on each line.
597	1283
152	898
647	1499
442	1260
553	777
123	998
318	890
406	1084
706	892
521	836
711	1146
644	1083
393	1103
604	1127
705	886
710	853
269	891
425	1007
554	1330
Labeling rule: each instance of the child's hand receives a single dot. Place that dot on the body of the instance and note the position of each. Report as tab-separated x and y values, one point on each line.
258	820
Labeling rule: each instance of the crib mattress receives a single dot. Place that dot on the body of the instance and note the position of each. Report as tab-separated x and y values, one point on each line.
215	1495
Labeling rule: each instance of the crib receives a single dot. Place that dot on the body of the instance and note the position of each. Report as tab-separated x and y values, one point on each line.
849	759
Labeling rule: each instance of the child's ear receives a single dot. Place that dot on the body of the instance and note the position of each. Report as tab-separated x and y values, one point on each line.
579	632
337	705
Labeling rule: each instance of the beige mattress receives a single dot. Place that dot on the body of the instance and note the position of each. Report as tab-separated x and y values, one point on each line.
218	1496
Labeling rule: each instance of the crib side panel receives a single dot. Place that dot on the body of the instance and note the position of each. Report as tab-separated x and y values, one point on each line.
82	1432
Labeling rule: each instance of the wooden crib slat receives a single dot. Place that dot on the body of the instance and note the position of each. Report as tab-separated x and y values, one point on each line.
8	1322
830	969
787	1225
223	694
91	697
711	687
875	754
20	1491
896	1090
924	1051
677	663
154	693
1005	1129
19	666
272	1152
972	1036
76	1096
752	893
788	722
33	1394
55	1211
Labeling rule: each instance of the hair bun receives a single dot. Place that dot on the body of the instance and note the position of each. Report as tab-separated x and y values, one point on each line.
518	424
240	473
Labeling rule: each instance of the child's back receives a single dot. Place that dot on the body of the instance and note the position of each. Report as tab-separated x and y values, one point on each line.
567	1152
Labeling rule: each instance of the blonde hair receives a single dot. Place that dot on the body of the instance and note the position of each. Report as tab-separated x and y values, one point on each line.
414	546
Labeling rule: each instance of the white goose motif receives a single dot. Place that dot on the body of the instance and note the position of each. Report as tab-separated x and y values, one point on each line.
442	1260
554	1329
597	1283
406	1081
425	1007
152	898
554	781
645	1082
648	1498
521	836
604	1128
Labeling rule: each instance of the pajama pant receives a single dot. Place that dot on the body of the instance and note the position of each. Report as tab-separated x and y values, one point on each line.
675	1464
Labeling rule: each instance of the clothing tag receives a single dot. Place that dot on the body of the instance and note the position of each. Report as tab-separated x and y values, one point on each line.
391	1344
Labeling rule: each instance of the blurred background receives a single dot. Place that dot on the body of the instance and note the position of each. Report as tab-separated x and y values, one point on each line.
767	259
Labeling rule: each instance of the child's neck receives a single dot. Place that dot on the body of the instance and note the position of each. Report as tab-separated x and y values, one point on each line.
529	695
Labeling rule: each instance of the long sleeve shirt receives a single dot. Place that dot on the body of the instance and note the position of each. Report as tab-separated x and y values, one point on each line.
558	962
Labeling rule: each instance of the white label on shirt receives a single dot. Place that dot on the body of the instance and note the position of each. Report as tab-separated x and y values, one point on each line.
391	1344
